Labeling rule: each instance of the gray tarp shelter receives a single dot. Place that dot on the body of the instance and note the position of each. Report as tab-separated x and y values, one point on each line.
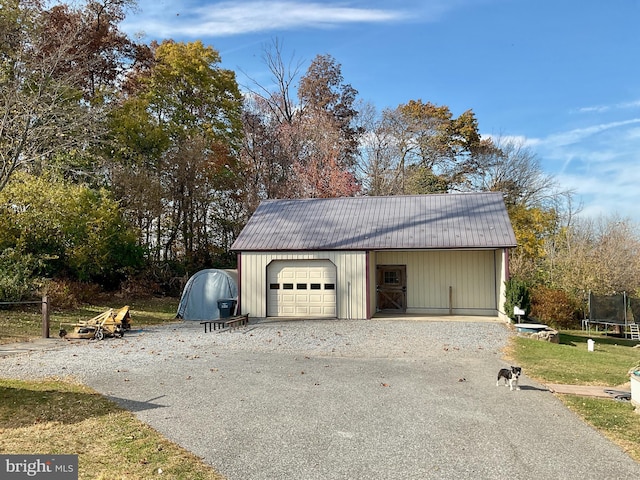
200	296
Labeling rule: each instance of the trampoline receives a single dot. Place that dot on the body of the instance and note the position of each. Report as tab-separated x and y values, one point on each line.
615	312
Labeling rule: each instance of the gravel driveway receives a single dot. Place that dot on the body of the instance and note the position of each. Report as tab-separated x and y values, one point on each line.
335	399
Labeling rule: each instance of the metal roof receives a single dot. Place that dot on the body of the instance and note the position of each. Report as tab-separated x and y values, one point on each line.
438	221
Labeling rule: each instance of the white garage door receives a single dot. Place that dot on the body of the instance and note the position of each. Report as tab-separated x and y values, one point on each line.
302	288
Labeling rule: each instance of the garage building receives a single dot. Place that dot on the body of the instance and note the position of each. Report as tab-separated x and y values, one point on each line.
351	258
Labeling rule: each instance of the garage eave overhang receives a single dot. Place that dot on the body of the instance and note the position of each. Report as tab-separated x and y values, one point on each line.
375	249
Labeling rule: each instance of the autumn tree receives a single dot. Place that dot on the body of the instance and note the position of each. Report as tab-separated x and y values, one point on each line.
100	51
178	131
600	255
324	96
56	65
321	170
537	206
268	115
420	148
510	167
376	165
533	227
66	230
325	159
299	143
278	99
266	169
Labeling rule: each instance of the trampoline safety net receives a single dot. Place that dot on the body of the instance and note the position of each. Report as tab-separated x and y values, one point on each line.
609	309
634	305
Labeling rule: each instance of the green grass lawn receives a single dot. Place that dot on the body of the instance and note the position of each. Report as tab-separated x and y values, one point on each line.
570	362
22	324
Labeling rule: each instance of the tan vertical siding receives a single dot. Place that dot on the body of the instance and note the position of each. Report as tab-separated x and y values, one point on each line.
476	277
471	274
350	285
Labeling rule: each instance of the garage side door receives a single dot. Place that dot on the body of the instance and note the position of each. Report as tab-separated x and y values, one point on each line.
301	288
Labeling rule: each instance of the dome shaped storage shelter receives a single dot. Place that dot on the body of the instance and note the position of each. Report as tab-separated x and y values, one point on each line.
200	296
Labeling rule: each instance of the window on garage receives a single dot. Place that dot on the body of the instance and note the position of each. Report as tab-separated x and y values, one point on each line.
305	288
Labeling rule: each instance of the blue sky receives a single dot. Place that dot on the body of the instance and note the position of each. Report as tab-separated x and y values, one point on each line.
561	75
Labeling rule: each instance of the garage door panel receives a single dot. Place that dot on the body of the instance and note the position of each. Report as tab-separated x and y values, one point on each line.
302	288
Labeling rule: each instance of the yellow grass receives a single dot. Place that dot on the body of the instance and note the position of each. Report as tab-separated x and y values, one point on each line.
58	417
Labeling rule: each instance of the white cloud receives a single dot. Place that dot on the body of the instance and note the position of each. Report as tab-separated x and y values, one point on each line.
580	134
515	139
234	18
606	108
595	109
600	164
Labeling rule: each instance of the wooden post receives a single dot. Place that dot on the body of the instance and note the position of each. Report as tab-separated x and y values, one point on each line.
45	317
